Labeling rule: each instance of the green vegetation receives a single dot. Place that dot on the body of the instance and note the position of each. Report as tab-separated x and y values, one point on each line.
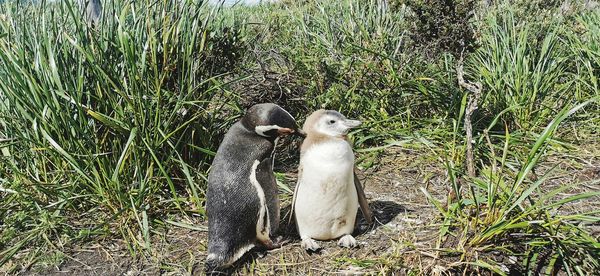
109	130
108	124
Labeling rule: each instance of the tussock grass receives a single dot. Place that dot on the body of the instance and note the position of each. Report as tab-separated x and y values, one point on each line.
528	82
584	40
105	128
506	209
521	74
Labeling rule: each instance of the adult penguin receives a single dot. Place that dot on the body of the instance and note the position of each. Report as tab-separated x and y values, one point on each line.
242	202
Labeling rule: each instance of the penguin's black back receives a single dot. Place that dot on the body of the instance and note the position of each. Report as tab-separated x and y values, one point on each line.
232	201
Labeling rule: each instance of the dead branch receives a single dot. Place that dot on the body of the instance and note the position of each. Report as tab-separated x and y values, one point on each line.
473	99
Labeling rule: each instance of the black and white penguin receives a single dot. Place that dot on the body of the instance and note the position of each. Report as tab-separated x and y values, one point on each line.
328	193
242	204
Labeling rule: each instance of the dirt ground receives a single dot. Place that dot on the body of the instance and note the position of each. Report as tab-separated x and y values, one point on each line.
401	241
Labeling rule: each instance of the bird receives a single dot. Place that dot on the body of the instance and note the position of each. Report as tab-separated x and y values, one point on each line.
242	203
328	193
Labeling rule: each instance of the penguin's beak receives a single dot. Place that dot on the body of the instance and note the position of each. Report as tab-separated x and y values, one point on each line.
352	123
284	131
300	133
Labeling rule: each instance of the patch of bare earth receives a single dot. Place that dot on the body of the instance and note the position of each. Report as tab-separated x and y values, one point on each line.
402	240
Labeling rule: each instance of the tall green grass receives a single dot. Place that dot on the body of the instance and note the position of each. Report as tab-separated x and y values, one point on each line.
520	72
106	128
507	209
585	41
528	82
356	57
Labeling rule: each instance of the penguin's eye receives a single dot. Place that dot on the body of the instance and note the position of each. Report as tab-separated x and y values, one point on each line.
331	122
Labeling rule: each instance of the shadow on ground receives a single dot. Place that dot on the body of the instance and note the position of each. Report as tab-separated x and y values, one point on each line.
384	212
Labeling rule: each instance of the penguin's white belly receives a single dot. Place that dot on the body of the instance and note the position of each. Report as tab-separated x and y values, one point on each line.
326	199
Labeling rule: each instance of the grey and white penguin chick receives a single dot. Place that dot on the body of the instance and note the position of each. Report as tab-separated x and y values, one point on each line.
328	192
241	202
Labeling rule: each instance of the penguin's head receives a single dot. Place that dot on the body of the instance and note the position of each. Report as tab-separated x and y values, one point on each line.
329	123
270	121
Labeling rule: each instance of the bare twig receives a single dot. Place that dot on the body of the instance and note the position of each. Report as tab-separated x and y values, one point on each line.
475	89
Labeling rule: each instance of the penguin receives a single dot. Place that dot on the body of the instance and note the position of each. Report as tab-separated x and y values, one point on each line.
328	193
242	204
93	11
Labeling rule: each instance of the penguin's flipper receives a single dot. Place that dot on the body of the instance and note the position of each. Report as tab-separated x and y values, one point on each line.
267	181
295	195
362	199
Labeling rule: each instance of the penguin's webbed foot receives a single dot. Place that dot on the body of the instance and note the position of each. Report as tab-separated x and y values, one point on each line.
310	244
269	244
347	241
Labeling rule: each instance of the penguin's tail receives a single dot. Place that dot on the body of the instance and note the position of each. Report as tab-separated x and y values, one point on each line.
220	257
214	264
211	266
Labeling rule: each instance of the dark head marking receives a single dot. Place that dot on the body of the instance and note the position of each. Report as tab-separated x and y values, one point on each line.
270	120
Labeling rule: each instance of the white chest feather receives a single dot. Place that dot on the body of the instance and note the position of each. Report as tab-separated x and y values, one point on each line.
326	200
